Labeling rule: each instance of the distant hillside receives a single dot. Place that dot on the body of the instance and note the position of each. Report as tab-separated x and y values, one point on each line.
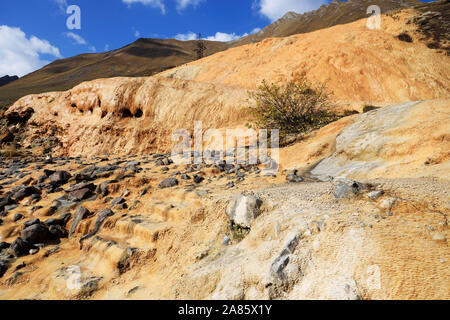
337	12
7	79
144	57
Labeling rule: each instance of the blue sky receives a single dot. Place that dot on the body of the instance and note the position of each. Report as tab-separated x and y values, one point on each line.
34	32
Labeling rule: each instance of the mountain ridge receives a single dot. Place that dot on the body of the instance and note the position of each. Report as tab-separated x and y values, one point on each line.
337	12
144	57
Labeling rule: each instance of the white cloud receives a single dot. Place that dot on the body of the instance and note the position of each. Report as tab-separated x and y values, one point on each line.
183	4
256	30
80	40
77	38
224	37
137	34
20	55
62	5
275	9
186	36
219	36
152	3
106	47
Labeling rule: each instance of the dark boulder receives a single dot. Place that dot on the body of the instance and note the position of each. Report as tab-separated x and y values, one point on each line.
48	173
168	183
198	179
83	185
31	222
58	232
80	214
80	195
25	192
3	267
102	188
101	217
18	217
4	245
117	201
59	178
37	233
5	201
60	221
20	248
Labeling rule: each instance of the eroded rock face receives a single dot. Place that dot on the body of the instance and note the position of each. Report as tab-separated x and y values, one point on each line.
357	64
243	209
395	141
133	115
128	115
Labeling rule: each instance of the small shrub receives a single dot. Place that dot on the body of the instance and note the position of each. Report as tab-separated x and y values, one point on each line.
434	45
9	151
238	233
348	112
369	108
404	37
294	108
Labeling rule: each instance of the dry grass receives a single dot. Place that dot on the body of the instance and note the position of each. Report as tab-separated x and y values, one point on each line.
8	150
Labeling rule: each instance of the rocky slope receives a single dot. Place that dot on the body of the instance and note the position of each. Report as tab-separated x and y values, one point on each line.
358	64
113	228
119	221
130	115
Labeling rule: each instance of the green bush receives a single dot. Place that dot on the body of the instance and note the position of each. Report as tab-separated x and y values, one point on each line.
369	108
294	108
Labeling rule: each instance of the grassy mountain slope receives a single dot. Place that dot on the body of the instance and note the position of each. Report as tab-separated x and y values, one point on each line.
144	57
337	12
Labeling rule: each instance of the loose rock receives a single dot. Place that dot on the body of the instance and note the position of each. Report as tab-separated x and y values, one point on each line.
242	210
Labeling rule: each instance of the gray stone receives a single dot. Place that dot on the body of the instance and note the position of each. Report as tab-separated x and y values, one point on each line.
226	241
117	201
230	185
346	188
243	209
31	222
81	194
168	183
59	178
374	195
18	217
293	177
11	207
